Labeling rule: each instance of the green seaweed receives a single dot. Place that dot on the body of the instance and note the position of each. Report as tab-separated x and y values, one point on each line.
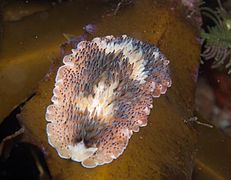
217	39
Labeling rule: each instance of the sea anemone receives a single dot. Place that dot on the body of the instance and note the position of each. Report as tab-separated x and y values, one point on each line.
103	94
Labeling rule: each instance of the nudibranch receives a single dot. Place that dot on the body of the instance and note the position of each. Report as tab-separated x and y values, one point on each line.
103	93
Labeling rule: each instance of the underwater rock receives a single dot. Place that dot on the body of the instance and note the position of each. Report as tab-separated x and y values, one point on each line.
213	100
102	95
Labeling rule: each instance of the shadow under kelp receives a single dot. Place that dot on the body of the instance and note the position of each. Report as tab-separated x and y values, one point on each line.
18	159
25	161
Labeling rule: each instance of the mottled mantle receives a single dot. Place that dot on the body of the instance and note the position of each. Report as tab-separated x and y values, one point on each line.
103	93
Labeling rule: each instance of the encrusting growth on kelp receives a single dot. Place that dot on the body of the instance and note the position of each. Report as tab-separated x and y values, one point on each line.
104	92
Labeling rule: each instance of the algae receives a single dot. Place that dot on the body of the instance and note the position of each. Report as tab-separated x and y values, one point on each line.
213	152
16	10
165	147
30	46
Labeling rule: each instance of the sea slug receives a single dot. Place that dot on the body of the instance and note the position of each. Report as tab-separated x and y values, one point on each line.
103	94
